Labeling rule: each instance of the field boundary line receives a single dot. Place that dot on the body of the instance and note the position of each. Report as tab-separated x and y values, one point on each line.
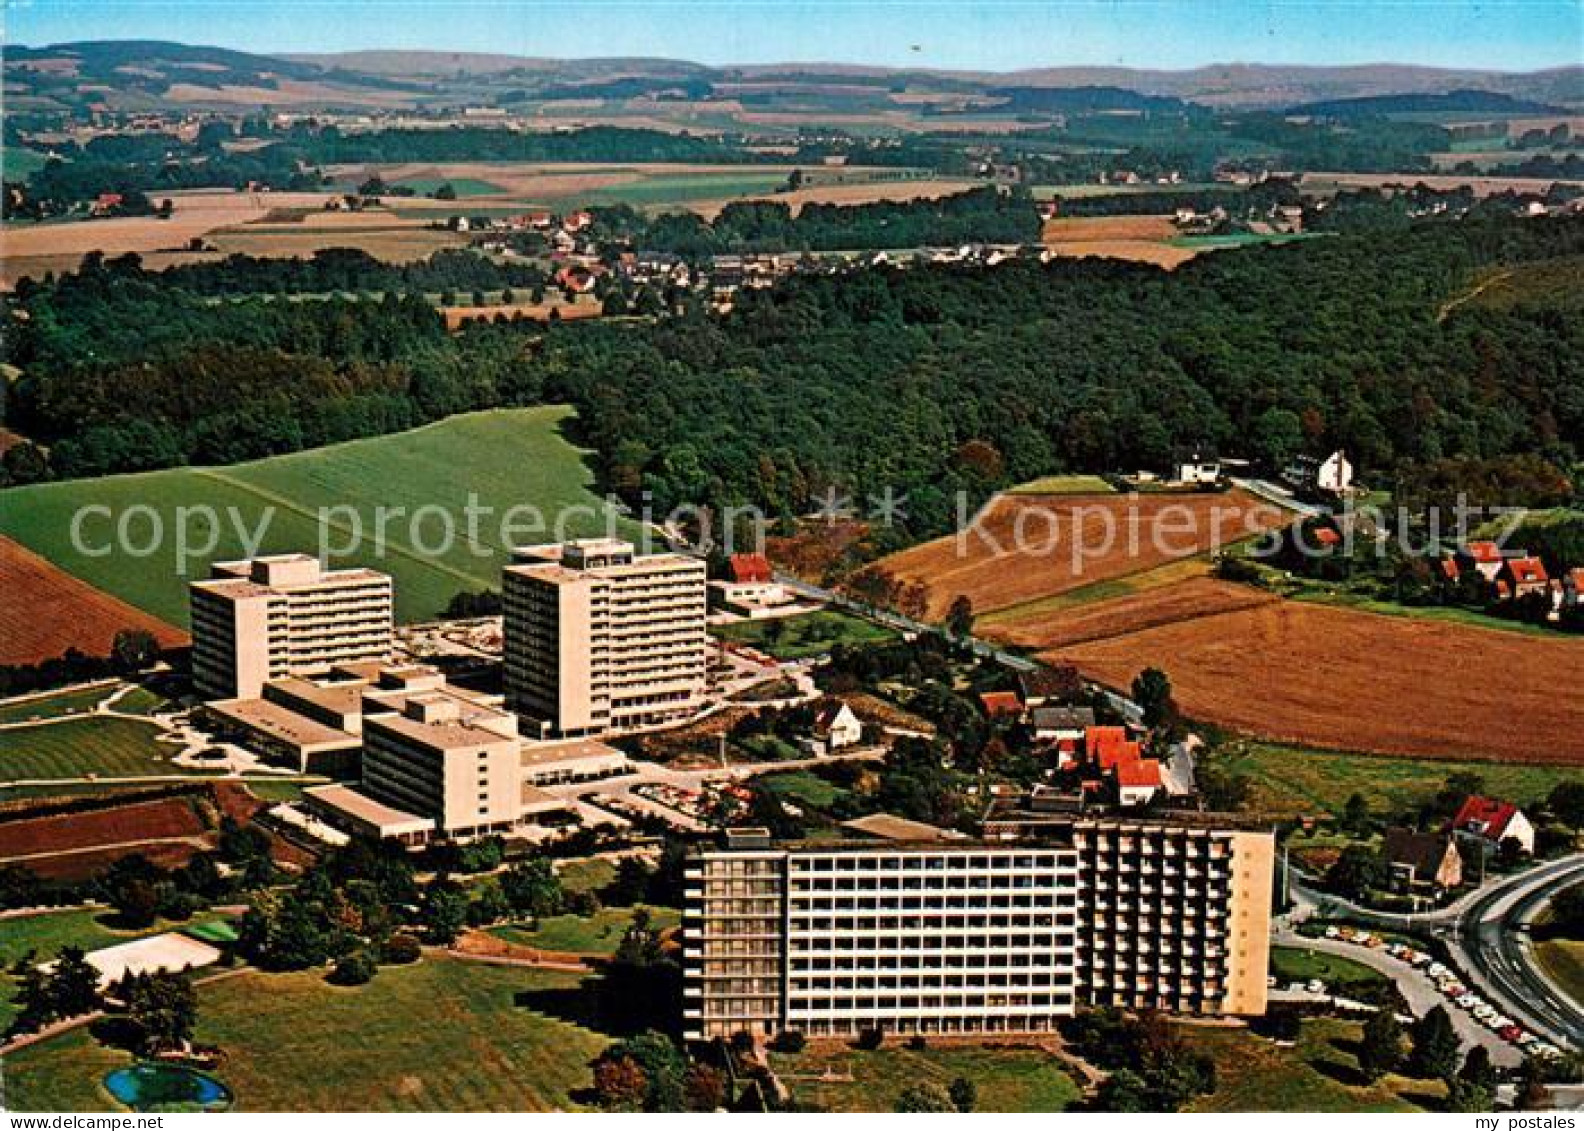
397	548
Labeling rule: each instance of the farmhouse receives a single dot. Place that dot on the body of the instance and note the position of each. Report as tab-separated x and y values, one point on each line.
1493	822
836	726
1521	577
1057	724
1001	704
1137	781
1422	860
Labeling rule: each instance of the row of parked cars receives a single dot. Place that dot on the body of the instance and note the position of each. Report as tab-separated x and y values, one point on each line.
1451	987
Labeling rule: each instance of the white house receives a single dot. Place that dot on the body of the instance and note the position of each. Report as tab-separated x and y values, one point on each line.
835	727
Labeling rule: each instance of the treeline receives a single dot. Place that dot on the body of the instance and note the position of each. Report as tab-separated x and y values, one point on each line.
350	271
981	215
926	380
330	146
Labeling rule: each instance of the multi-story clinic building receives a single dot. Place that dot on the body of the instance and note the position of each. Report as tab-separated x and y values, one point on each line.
943	936
598	638
284	615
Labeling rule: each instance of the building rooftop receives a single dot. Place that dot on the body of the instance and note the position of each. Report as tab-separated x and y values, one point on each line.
344	698
887	827
284	725
572	749
387	818
451	734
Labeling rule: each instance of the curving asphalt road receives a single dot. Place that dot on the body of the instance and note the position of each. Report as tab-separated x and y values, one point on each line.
1487	932
1491	936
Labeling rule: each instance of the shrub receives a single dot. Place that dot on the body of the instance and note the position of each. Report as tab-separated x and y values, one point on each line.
870	1039
355	969
400	950
790	1041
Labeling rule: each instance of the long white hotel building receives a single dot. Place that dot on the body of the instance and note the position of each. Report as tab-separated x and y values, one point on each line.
284	615
599	638
944	936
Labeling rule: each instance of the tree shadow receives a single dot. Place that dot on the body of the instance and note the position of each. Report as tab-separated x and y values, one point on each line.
580	1005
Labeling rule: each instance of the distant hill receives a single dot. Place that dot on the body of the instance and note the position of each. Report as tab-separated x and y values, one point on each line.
145	74
1475	101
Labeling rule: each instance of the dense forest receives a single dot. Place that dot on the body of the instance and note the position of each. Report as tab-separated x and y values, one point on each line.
927	380
982	215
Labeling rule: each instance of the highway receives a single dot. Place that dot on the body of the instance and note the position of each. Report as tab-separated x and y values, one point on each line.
1487	933
1492	940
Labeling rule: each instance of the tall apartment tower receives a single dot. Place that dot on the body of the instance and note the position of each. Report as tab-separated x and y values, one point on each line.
599	639
284	615
971	937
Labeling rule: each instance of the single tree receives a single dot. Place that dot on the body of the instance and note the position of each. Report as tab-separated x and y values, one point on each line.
1380	1048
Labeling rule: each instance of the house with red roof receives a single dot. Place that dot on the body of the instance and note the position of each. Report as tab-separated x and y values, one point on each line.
1573	588
1001	704
1485	558
749	569
1137	780
1523	576
1493	821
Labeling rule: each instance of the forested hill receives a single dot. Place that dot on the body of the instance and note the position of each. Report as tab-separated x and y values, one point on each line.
862	381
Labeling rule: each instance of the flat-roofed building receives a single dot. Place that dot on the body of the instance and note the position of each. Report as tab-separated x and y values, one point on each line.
570	760
939	936
599	638
284	615
438	759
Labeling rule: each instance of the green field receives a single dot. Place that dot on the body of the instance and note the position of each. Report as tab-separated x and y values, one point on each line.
1563	962
1296	779
76	702
685	188
599	933
19	163
1008	1079
108	747
442	1035
1319	1074
465	186
1064	485
810	634
802	787
502	458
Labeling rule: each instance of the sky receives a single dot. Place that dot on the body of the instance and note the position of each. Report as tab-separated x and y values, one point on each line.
995	35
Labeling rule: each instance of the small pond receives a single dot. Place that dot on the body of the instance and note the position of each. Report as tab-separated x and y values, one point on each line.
144	1087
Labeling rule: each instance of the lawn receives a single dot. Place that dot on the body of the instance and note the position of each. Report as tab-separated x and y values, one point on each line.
1297	780
599	933
799	637
1563	962
424	480
1448	614
141	701
442	1035
803	788
1012	1079
106	747
1292	964
464	186
586	875
46	934
75	702
1319	1074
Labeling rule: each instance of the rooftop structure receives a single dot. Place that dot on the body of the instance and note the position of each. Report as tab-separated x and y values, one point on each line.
273	617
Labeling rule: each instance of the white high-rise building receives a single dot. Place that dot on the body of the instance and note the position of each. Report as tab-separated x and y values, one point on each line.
284	615
598	638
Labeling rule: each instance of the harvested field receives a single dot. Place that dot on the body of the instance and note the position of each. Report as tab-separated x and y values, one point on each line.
164	819
1356	681
1118	616
47	611
32	249
1325	183
540	312
1072	541
396	242
1143	239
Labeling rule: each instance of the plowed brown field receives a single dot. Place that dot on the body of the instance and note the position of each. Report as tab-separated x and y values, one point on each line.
1135	612
47	610
68	832
1070	541
1358	681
